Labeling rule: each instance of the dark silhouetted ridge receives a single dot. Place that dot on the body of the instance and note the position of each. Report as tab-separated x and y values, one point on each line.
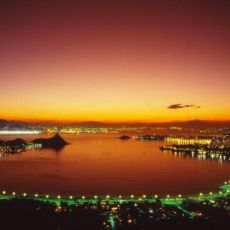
54	142
16	142
2	142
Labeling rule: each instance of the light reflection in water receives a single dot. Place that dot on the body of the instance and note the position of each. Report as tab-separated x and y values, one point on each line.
103	164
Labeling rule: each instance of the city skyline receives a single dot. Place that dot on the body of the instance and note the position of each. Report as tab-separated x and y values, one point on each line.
123	61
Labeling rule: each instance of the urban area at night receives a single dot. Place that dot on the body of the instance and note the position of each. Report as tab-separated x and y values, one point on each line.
114	114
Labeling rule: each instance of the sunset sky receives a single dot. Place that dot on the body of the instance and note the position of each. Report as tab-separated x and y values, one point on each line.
115	60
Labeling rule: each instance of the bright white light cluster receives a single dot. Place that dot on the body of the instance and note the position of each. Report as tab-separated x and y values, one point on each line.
8	132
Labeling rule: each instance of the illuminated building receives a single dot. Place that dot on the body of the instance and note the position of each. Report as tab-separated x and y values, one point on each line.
188	141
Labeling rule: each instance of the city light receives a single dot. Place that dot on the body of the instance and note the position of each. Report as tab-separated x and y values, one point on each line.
188	141
19	132
225	188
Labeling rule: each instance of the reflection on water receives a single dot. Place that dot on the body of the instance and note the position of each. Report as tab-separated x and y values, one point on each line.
104	164
194	151
205	157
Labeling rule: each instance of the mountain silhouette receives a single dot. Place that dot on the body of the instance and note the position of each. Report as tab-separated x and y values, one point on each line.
54	142
2	142
16	142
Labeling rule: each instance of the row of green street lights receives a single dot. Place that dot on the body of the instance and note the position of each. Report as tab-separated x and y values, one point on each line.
108	196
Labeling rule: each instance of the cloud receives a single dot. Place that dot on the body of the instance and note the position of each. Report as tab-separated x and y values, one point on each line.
181	106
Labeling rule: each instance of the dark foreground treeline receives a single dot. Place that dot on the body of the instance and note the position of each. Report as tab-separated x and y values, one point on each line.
33	215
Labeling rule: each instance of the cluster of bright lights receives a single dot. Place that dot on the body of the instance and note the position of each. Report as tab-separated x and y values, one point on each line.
191	141
10	132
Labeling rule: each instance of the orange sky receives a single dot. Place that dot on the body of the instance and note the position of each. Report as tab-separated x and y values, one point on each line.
115	60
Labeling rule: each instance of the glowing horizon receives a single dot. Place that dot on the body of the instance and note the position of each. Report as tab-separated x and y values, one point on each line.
125	61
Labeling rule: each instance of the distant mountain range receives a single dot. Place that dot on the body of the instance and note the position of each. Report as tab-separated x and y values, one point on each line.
191	123
13	124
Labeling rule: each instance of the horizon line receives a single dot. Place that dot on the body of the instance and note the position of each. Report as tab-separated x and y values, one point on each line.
46	121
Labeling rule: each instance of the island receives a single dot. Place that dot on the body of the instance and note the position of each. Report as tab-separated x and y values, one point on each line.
124	137
54	142
19	145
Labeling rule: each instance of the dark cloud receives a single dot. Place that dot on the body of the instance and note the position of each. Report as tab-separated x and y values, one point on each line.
181	106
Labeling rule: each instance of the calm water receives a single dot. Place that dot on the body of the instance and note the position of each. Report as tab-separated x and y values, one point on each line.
104	164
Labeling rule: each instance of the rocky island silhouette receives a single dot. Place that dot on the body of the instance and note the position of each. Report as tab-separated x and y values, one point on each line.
19	145
54	142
